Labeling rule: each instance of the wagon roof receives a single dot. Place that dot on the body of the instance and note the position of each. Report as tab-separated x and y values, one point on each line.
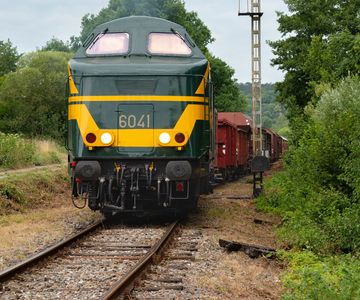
238	118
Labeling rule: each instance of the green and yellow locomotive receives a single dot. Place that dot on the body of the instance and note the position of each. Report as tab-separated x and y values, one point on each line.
140	109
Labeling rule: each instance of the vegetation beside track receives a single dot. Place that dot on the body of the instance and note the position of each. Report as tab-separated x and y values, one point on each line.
318	197
34	189
36	211
19	152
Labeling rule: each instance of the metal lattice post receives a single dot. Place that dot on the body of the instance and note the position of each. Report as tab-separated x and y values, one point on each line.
255	14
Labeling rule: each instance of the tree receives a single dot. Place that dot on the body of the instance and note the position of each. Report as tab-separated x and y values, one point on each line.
8	57
32	98
273	112
320	44
56	45
228	96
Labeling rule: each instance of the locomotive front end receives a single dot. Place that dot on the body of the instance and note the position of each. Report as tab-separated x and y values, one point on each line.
139	110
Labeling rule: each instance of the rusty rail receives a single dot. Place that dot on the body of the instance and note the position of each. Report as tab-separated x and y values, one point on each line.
20	267
126	283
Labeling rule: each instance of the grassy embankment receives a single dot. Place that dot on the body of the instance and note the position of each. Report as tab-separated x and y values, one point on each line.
36	211
27	190
318	198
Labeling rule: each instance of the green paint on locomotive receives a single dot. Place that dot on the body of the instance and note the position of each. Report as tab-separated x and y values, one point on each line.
138	73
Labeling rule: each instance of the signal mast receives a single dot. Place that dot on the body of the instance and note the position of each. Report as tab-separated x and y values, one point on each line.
259	163
253	10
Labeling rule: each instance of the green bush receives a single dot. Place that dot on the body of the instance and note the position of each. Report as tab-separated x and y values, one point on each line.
313	277
10	192
318	195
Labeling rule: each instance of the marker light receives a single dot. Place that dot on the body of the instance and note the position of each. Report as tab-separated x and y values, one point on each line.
180	137
106	138
91	137
164	138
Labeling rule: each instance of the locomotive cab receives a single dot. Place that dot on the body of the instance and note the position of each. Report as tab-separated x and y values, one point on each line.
139	110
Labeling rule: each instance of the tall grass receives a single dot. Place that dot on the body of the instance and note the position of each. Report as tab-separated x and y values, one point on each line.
17	152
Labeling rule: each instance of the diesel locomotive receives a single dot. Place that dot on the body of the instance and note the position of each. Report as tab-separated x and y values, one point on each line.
140	118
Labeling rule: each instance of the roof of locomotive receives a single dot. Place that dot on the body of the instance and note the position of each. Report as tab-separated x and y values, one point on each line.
139	28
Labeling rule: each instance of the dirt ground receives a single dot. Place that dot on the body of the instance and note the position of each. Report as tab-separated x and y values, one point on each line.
235	275
36	212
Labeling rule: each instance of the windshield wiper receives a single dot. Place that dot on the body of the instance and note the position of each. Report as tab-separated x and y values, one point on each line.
180	36
98	37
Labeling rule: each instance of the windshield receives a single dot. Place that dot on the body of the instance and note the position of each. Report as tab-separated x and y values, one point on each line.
167	44
109	43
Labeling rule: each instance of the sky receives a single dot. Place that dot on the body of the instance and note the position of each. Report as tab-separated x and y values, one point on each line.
29	24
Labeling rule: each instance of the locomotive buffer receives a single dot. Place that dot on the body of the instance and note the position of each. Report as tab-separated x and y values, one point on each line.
260	163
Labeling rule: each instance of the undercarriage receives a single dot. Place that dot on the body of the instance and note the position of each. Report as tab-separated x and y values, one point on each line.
135	186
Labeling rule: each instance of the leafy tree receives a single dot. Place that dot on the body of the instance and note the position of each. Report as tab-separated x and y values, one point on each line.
320	44
8	57
32	98
227	95
273	111
56	45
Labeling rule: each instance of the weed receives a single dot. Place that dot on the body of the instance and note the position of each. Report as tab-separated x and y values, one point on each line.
216	212
11	192
314	277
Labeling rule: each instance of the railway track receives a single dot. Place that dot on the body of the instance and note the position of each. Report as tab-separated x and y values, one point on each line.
102	262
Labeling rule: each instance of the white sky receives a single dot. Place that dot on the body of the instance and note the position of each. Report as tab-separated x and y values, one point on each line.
29	24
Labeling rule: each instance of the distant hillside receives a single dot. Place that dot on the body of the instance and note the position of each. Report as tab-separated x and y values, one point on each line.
273	113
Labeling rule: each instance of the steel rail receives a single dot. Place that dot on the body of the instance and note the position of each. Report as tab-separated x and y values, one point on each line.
20	267
125	284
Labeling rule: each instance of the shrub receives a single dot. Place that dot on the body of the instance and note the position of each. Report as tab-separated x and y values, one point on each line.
10	192
319	193
313	277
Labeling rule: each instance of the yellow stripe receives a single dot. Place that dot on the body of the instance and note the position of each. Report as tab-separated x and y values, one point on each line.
201	88
137	98
72	86
136	137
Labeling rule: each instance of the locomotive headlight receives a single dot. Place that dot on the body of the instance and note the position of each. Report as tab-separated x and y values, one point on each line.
106	138
164	138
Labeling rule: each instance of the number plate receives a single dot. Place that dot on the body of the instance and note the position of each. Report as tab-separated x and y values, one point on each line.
135	117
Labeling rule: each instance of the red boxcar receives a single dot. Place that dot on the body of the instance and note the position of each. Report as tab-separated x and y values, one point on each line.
285	145
243	123
226	141
267	137
244	148
233	146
